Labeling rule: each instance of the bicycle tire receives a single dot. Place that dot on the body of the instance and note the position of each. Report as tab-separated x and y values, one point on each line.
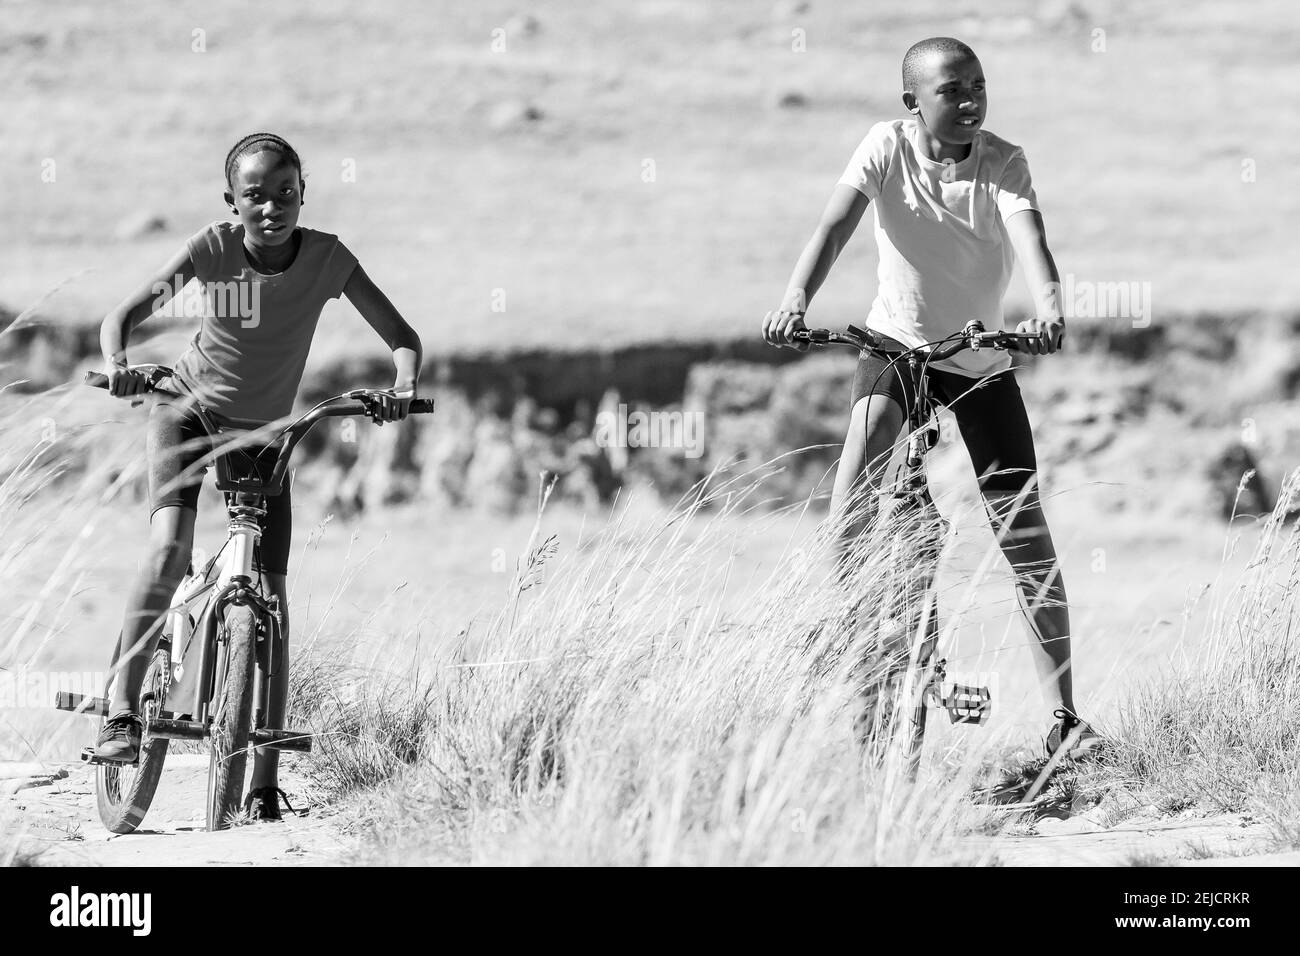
898	673
917	708
124	792
230	727
924	618
885	658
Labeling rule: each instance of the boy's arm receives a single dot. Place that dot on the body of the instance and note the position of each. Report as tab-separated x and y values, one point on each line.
116	328
1029	239
839	219
384	318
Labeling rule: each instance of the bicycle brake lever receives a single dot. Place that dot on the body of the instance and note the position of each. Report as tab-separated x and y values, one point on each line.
867	338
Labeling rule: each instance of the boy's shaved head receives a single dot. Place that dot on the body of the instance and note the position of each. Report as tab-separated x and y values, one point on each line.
918	54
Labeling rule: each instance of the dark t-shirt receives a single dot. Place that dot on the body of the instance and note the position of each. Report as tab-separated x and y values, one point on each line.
249	354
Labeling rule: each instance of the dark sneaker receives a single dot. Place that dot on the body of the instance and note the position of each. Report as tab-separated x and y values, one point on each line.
1079	739
119	740
263	803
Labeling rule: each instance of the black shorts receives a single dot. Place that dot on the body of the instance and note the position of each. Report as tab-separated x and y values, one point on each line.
990	414
177	443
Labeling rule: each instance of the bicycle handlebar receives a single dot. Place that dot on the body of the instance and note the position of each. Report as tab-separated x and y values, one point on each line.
419	406
971	337
359	401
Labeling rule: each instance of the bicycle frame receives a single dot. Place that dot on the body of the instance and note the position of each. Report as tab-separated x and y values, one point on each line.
199	664
210	677
922	676
197	667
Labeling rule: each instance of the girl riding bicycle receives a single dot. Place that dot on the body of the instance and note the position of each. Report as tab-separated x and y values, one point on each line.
266	280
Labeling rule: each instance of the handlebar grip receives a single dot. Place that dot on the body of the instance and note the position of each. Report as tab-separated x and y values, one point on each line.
422	406
1014	341
97	380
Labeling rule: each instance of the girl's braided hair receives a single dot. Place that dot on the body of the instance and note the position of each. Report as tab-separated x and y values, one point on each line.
256	143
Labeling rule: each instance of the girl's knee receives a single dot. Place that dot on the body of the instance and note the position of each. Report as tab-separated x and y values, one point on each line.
167	561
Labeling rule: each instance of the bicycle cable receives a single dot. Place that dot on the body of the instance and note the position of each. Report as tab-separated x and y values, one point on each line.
906	353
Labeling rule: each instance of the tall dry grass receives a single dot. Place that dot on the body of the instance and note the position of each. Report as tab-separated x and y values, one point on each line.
1220	730
63	472
620	711
634	703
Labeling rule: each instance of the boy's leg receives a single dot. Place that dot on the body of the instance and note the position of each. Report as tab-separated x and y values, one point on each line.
1026	541
171	537
873	429
995	428
875	422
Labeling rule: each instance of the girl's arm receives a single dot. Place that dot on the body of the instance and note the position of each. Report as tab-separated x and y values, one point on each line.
117	326
375	308
839	219
1029	239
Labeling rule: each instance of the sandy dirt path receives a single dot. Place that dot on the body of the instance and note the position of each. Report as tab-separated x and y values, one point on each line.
1224	840
51	811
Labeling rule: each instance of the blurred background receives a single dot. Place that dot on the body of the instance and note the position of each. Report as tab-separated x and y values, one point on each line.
581	207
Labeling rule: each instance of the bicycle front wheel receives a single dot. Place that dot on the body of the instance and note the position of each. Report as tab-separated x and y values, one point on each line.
898	669
919	679
124	792
230	726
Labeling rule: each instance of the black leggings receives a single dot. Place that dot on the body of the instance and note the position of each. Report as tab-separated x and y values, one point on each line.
177	442
990	415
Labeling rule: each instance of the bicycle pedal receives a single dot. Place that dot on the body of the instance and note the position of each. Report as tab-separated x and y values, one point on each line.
969	705
88	756
81	704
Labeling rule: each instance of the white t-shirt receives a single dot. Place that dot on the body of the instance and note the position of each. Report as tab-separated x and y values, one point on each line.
945	257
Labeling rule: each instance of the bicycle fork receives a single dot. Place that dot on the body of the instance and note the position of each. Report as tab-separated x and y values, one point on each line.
244	588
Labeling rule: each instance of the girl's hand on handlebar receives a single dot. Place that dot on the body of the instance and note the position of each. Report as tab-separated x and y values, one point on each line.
124	381
1050	334
392	405
778	329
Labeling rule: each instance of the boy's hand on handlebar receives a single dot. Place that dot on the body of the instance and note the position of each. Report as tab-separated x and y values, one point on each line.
124	381
1049	335
779	327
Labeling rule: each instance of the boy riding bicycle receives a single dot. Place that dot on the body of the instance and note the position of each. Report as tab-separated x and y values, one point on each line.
952	203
